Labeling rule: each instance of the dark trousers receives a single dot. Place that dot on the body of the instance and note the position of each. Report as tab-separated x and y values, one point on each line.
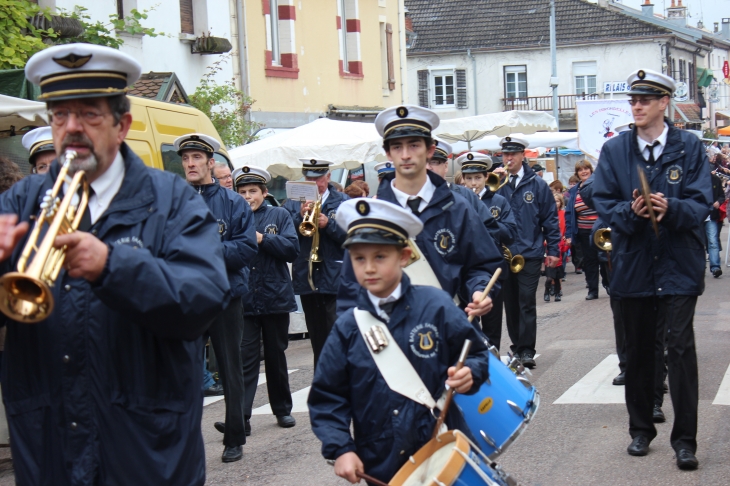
274	329
576	254
492	322
618	330
520	306
320	314
225	336
590	260
641	317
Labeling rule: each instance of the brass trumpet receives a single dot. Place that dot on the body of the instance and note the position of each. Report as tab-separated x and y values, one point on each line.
516	263
25	295
602	239
493	181
309	228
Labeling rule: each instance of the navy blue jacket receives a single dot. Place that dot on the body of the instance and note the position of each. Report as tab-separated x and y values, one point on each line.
489	221
270	285
107	389
348	387
501	211
534	208
237	232
326	275
459	249
673	264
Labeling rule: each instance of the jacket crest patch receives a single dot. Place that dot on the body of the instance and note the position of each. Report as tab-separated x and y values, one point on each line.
529	197
496	211
271	229
222	228
674	174
424	340
444	241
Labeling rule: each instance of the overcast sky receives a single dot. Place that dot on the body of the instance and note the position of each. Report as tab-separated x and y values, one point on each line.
709	11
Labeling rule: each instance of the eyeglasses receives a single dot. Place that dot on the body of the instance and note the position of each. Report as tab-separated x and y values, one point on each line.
643	101
59	116
225	177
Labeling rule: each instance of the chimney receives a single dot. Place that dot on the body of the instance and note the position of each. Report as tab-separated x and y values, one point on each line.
647	8
726	29
717	28
700	25
677	14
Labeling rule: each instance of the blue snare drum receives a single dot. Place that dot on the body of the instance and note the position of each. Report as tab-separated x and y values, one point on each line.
451	460
499	412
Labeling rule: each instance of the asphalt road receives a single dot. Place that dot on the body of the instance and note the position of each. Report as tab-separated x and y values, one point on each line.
579	435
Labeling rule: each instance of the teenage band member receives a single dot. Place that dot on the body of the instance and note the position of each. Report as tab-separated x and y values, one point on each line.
460	252
657	278
475	166
537	221
106	390
319	303
39	144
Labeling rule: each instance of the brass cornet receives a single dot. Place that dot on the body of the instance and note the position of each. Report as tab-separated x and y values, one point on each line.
493	181
516	263
602	239
309	228
25	295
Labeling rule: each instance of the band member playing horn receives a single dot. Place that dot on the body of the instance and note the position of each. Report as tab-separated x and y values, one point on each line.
316	270
475	166
460	255
537	221
427	329
658	262
107	388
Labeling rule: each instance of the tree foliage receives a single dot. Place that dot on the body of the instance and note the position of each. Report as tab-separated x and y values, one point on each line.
226	107
104	34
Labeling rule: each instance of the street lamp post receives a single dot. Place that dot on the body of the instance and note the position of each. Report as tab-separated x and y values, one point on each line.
553	55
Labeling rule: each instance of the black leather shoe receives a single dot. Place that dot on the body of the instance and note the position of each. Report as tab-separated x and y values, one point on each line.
247	427
559	296
715	273
578	271
620	380
686	460
591	296
659	417
285	421
220	427
232	454
215	390
547	296
528	360
639	446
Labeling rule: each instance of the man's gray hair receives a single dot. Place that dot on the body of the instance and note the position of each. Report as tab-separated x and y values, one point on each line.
220	165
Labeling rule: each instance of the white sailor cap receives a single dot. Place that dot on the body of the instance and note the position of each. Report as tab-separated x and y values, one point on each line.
383	168
315	167
196	141
250	175
443	150
38	140
474	162
648	82
513	144
406	121
81	71
624	128
377	222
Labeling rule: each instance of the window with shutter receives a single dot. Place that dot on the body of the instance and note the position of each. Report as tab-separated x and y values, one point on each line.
423	88
461	100
186	17
120	9
391	68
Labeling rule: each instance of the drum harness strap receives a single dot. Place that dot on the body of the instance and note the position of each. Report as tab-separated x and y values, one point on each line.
419	269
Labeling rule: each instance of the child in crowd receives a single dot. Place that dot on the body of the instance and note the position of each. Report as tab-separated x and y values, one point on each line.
553	276
424	322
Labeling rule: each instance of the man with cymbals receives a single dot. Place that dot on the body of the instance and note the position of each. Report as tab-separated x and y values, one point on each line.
534	208
456	245
106	389
658	258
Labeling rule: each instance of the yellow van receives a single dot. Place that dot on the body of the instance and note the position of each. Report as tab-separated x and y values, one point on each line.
155	125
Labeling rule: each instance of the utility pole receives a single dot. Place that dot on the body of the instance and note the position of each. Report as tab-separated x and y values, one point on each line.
553	55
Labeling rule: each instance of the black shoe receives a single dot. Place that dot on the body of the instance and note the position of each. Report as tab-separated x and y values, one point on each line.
528	360
659	417
578	271
715	273
552	289
285	421
220	427
620	380
591	296
215	390
559	296
639	446
547	296
607	289
247	427
232	454
686	460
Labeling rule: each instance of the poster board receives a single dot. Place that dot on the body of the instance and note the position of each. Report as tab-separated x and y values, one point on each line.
597	120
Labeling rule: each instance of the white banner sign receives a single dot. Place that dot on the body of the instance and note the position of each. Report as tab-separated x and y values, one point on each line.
597	120
616	87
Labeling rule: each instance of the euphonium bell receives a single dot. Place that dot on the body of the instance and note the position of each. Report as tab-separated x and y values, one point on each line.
602	239
25	295
516	263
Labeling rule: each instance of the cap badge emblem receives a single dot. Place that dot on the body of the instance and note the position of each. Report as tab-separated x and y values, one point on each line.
313	162
470	156
508	139
388	165
402	112
363	208
641	74
72	61
246	170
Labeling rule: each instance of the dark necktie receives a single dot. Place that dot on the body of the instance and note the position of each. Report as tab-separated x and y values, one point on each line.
513	181
387	307
414	204
85	224
652	160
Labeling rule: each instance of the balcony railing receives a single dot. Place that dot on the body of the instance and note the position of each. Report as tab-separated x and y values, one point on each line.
545	103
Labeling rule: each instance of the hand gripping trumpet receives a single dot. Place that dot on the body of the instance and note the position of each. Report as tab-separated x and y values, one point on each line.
25	295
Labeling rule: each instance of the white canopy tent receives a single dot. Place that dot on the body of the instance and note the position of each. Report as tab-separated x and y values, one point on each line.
472	128
19	113
537	140
347	144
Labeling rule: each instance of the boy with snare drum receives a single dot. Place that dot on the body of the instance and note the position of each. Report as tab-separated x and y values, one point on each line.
423	322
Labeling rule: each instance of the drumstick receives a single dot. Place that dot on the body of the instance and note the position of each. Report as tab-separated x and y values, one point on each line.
491	283
451	392
370	479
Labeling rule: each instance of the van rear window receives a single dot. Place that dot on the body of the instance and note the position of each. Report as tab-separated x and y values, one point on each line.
171	161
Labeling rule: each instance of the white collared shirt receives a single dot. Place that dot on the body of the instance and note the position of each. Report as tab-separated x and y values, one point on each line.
391	298
482	192
520	175
325	196
104	188
426	194
659	149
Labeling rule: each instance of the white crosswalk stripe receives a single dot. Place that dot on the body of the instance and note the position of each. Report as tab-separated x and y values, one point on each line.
262	379
299	403
723	394
596	386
